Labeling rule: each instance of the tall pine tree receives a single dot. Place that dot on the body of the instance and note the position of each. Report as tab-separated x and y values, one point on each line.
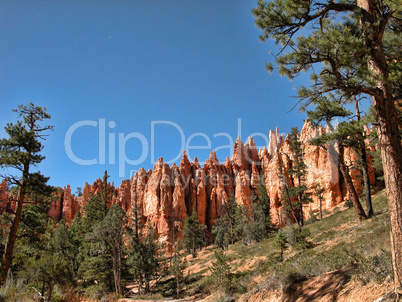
21	152
298	173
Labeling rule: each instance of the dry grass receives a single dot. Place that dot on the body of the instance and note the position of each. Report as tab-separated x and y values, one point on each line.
345	251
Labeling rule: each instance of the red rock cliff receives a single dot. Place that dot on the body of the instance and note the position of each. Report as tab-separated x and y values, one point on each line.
166	194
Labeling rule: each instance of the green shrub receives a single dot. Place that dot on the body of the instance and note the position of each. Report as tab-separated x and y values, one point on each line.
298	239
264	266
374	268
16	291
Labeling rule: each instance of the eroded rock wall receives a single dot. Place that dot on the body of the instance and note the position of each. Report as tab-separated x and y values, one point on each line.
166	194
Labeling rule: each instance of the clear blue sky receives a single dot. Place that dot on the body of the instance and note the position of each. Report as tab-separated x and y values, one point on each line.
198	64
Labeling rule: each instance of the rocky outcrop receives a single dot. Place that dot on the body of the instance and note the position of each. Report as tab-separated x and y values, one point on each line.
70	207
124	195
165	195
4	196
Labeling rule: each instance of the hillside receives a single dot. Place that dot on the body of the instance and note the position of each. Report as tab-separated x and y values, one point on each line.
348	261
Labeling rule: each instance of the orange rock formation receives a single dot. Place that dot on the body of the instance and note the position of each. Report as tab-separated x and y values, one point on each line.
165	195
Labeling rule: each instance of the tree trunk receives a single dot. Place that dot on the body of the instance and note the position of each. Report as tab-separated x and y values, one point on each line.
349	184
301	218
146	284
139	284
320	208
366	177
367	186
388	131
291	209
49	296
177	288
116	271
12	236
391	154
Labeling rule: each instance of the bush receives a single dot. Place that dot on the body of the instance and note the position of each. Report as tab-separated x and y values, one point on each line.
271	282
16	291
374	268
264	266
298	239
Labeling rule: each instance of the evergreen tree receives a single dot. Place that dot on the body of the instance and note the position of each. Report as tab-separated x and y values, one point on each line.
344	135
49	270
221	272
79	191
243	226
287	210
280	243
319	193
21	151
96	265
111	232
230	209
33	236
136	217
360	149
194	234
264	203
43	262
298	172
94	211
144	259
353	47
221	230
258	225
176	269
229	226
98	204
65	245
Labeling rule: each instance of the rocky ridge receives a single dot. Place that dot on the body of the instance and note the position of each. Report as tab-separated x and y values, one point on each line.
166	194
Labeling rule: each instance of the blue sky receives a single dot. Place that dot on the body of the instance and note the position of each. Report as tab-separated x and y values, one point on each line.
197	65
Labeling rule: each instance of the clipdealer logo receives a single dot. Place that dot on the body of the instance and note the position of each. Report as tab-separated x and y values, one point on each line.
112	146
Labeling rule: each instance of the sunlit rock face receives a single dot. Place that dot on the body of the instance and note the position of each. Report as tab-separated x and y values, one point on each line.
165	195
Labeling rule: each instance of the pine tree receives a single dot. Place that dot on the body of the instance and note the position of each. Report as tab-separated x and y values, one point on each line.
259	229
144	260
177	270
221	272
49	269
21	151
353	47
97	266
360	149
98	204
230	209
261	224
111	231
45	263
194	234
65	245
221	230
280	243
298	172
287	210
319	193
243	226
264	202
345	136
